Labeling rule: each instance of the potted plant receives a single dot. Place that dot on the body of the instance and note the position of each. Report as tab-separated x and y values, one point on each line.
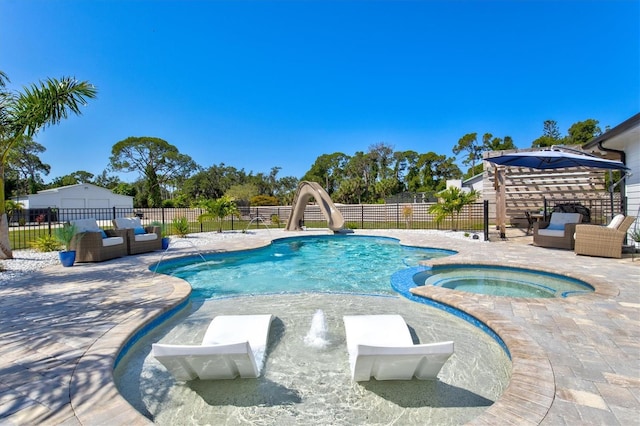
163	234
64	235
635	236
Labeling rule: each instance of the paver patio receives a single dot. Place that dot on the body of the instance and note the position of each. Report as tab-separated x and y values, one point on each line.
575	360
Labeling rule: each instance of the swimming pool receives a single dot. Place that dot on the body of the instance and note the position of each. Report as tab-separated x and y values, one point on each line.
291	279
502	281
331	263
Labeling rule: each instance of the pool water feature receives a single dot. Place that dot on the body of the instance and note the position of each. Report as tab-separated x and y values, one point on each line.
312	386
351	264
502	281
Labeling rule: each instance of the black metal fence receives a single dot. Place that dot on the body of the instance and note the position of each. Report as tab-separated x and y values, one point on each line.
28	225
598	211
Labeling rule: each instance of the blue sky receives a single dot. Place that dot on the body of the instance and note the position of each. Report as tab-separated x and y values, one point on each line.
260	84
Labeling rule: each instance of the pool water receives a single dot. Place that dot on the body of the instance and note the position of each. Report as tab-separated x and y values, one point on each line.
502	281
341	264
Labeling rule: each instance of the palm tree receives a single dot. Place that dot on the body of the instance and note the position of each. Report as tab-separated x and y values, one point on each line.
218	210
25	113
450	203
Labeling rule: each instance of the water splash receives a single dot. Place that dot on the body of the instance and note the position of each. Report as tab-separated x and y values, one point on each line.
317	335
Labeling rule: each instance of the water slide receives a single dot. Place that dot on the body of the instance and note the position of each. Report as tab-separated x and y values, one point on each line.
305	191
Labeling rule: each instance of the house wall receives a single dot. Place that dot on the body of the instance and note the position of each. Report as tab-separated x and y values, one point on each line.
633	182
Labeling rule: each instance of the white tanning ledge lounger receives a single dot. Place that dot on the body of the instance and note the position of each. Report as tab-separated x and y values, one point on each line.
381	346
234	345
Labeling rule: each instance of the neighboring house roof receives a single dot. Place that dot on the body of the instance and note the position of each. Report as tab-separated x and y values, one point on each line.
473	179
62	188
624	133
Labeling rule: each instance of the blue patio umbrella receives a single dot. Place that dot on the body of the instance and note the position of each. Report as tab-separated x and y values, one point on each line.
555	159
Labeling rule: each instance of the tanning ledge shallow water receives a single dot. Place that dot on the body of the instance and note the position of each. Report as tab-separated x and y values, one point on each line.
313	386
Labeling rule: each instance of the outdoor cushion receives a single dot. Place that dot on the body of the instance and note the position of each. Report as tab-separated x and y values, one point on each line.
104	234
558	220
551	232
86	225
616	221
128	222
555	227
139	230
112	241
146	237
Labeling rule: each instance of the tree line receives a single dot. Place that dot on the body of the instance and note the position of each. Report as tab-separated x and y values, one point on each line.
172	179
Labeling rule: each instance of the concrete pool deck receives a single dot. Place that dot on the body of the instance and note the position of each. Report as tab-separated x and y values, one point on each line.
575	360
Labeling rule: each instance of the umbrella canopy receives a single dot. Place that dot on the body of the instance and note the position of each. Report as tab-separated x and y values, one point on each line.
555	159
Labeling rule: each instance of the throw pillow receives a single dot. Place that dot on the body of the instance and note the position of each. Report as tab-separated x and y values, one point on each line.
139	231
104	234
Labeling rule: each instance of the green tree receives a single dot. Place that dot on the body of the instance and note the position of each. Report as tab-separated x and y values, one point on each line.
74	178
550	135
582	132
218	210
25	165
450	203
327	170
469	145
491	143
24	113
243	193
155	159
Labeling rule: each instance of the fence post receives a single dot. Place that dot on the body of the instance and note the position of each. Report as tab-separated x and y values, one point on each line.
162	217
486	219
49	219
114	212
397	215
361	216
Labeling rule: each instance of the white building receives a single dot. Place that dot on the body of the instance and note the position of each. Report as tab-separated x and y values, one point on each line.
623	141
80	196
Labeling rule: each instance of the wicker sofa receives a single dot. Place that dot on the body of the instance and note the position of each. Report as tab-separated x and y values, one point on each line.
603	241
140	239
92	244
557	232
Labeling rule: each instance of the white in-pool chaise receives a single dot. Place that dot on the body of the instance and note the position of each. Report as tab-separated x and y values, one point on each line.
233	345
381	346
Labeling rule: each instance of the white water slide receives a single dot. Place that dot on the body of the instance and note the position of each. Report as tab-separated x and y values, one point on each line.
305	191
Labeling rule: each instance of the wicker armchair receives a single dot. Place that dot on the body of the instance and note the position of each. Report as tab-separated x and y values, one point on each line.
603	241
140	239
558	232
92	244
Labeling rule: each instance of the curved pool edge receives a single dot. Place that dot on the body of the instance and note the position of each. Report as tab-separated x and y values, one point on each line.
97	365
531	388
527	399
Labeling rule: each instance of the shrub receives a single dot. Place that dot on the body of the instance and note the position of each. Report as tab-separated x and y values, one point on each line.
181	226
64	235
264	200
275	219
46	243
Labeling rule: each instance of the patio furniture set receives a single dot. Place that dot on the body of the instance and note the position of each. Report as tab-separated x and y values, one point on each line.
93	244
567	231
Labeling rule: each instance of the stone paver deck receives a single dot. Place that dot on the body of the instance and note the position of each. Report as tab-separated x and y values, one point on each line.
575	360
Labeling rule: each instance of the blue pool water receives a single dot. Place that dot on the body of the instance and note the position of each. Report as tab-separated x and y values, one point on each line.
502	281
349	264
